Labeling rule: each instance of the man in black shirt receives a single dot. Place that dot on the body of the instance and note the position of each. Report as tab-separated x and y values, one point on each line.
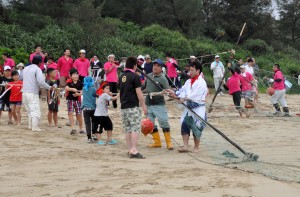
4	100
131	97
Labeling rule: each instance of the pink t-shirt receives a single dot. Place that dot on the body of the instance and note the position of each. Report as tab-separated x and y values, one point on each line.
9	62
234	84
52	65
33	54
278	85
246	81
171	69
64	65
112	76
82	65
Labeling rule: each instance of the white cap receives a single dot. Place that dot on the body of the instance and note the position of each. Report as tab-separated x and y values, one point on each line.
20	65
82	51
242	66
192	57
7	68
147	56
141	57
217	56
111	55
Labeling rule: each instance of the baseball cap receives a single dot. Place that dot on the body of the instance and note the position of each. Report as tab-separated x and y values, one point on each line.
82	51
7	68
141	57
111	55
147	56
242	66
158	61
192	57
217	56
20	65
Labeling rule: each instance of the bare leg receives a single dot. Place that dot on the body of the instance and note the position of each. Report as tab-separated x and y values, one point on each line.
185	139
55	118
79	119
50	118
18	112
134	143
128	141
13	113
9	116
98	136
71	119
197	143
109	135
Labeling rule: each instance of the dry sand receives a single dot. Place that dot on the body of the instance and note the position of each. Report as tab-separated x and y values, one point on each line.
53	163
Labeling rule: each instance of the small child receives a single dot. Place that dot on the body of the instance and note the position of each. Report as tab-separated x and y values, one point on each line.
74	92
52	97
101	114
15	98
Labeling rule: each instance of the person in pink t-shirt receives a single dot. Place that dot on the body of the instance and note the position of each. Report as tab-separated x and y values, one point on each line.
82	65
38	51
111	71
279	96
8	61
64	65
247	82
172	66
234	87
52	64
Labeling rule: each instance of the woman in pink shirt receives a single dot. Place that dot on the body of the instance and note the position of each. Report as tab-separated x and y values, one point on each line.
8	61
172	66
64	65
111	71
82	65
234	87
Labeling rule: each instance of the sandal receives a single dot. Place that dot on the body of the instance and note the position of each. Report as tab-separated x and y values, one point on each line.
112	142
137	156
183	151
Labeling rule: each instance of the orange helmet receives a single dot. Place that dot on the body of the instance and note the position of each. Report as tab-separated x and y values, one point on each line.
270	91
147	126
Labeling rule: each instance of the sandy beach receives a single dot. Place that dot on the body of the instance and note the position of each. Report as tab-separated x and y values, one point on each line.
54	163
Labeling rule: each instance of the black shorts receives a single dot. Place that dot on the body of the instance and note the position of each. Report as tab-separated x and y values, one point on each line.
53	107
104	122
236	96
3	104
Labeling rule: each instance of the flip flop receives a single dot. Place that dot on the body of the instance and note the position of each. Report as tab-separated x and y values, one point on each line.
183	151
137	156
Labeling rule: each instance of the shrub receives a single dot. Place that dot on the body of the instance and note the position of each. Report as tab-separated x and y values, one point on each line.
257	46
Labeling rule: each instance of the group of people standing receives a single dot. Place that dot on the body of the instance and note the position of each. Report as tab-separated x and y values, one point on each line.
89	86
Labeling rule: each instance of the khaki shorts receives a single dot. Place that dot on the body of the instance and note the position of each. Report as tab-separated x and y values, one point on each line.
131	119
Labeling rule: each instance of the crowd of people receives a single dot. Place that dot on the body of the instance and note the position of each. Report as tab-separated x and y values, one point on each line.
139	84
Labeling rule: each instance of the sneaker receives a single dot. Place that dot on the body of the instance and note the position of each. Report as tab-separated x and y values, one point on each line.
112	142
278	113
287	115
89	141
101	142
10	123
73	132
82	132
221	93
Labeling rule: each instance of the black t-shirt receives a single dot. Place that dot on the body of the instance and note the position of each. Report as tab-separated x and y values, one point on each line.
51	83
4	80
78	86
96	67
128	82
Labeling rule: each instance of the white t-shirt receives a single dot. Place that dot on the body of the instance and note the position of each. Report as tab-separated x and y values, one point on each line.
249	69
218	69
102	105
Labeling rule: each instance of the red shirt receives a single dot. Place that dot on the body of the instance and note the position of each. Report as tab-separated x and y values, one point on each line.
82	65
64	66
112	76
15	91
171	69
246	81
234	84
9	62
278	85
35	53
52	65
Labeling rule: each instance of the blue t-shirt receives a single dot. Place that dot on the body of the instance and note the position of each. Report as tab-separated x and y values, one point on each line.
89	98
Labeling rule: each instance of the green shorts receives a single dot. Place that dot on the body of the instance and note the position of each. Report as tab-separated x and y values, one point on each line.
131	119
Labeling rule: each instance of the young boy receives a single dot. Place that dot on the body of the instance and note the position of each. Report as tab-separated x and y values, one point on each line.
52	97
4	100
101	114
15	99
74	92
131	97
